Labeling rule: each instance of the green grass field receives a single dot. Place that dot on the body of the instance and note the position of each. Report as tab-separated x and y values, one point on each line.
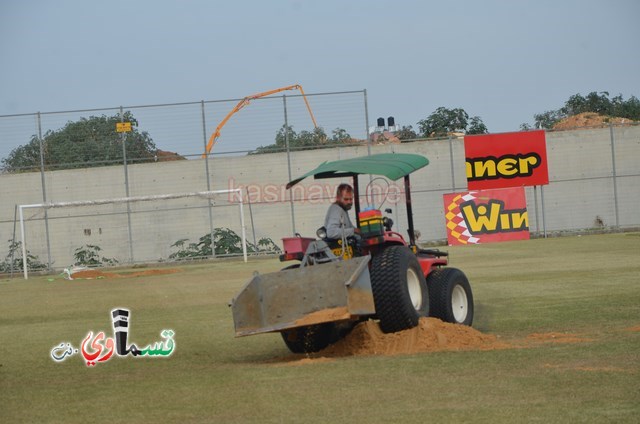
587	287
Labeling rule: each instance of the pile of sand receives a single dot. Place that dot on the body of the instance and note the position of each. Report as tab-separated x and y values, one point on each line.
431	335
589	120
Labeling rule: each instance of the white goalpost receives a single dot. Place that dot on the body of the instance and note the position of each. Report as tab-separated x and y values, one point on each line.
237	193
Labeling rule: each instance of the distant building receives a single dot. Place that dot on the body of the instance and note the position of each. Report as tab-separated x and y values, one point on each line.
382	134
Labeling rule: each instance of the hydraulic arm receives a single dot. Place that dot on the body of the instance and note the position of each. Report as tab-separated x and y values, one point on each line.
245	101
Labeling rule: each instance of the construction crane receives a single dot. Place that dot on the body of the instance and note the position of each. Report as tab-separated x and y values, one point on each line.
245	101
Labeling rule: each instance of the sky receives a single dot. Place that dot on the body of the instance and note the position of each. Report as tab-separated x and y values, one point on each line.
501	60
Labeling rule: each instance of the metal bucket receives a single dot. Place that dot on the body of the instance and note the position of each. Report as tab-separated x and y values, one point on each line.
333	291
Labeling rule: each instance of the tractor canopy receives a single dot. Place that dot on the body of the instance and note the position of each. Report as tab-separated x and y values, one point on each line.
391	165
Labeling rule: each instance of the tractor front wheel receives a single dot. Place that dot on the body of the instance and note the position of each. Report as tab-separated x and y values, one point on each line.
311	338
399	289
450	296
314	338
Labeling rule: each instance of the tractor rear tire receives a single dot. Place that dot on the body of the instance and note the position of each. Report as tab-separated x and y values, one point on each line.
400	291
450	296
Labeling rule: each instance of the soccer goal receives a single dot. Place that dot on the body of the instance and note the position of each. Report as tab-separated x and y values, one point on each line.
131	229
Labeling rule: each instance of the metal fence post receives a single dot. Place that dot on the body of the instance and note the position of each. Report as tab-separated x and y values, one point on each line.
44	192
206	168
535	202
13	239
286	142
544	216
253	227
453	175
123	136
366	122
615	175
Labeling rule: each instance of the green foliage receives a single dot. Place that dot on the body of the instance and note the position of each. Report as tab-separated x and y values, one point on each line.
89	255
406	133
13	261
445	121
226	241
548	119
304	140
595	102
265	244
85	143
476	126
525	127
601	104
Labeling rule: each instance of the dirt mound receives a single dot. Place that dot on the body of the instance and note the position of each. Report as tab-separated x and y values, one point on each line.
431	335
95	274
589	120
164	156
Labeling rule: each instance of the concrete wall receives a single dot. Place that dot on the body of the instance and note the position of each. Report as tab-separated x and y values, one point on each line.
581	194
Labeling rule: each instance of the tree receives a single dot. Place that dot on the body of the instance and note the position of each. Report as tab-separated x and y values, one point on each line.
305	139
629	109
406	133
445	121
88	142
547	119
340	135
594	102
525	127
476	126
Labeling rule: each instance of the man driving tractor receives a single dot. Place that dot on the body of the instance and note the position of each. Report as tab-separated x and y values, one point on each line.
337	222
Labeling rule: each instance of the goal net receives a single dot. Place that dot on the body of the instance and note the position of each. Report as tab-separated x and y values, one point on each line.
129	230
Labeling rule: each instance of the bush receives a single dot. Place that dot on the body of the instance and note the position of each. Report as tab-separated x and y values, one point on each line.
13	261
89	255
226	242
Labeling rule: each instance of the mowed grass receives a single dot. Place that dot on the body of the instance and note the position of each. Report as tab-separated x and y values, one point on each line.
587	287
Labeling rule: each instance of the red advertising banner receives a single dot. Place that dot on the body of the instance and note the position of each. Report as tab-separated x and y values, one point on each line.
486	216
506	160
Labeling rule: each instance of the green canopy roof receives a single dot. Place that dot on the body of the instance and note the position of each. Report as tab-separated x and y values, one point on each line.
390	165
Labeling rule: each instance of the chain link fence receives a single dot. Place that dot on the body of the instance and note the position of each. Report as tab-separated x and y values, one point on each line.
593	179
103	164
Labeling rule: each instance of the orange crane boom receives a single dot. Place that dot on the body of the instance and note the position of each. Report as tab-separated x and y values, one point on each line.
245	101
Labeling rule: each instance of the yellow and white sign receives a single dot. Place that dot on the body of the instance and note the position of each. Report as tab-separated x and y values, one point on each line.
123	126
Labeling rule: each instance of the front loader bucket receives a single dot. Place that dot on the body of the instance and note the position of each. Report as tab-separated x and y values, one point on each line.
333	291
